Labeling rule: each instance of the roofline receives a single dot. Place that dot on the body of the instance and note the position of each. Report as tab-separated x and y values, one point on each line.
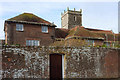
59	39
62	29
107	41
26	22
99	38
98	29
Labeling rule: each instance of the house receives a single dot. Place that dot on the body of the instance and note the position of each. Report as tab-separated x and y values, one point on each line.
94	36
81	36
28	29
110	38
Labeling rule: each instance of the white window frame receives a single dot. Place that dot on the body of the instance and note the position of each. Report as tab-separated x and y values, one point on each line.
45	29
19	27
32	42
90	42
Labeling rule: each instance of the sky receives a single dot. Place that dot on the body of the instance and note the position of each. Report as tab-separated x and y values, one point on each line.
95	14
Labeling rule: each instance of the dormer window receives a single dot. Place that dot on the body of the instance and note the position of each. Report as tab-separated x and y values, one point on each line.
19	27
45	29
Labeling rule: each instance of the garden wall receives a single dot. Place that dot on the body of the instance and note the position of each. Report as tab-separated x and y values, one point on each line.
83	62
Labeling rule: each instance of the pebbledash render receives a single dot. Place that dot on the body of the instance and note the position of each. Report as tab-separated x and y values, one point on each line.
29	30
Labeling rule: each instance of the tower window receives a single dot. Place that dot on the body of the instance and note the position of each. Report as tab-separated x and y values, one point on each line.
75	19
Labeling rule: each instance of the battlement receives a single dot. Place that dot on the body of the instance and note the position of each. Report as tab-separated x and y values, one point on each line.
68	10
71	11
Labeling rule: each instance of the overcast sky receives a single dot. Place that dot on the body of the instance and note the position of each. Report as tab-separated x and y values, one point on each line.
98	15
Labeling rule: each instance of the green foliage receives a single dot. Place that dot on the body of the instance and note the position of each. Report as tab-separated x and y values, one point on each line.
58	43
75	42
17	44
6	44
70	42
117	46
104	45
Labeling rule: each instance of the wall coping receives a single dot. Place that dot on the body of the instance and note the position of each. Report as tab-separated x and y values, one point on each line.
57	47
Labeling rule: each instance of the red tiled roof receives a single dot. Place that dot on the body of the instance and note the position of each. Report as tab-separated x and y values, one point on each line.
108	35
61	32
82	32
99	30
94	33
29	17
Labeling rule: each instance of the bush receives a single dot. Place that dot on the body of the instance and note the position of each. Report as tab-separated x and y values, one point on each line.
117	46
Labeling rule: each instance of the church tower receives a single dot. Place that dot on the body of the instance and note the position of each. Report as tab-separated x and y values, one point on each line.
71	18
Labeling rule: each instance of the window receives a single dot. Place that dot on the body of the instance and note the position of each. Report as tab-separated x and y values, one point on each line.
91	42
107	44
19	27
32	43
75	18
45	29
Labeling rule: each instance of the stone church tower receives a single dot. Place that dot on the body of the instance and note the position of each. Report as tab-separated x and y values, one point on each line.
71	18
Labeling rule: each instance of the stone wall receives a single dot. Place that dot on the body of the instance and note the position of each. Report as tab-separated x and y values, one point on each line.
85	62
25	63
92	63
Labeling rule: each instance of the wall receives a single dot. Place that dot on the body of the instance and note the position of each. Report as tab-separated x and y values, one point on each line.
25	63
98	42
33	32
92	63
119	62
64	20
33	62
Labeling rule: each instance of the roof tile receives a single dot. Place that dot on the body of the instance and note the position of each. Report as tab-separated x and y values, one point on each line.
29	17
